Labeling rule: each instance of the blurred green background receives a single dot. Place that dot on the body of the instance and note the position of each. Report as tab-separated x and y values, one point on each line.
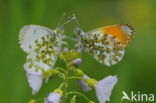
136	72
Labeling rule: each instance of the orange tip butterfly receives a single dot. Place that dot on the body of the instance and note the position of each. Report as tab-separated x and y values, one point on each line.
106	44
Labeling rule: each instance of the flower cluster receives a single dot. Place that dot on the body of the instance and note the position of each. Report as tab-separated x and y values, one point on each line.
44	46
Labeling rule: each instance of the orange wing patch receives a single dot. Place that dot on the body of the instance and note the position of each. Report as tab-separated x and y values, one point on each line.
116	31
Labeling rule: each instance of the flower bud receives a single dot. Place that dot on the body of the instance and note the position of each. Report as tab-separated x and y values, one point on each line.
91	82
32	101
73	100
54	97
79	73
83	84
58	91
50	73
77	61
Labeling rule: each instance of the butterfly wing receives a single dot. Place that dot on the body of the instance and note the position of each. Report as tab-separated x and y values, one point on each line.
107	44
42	46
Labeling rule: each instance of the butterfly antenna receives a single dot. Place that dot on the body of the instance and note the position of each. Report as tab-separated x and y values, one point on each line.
69	19
76	19
61	19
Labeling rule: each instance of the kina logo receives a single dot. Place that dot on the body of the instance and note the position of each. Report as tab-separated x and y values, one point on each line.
138	97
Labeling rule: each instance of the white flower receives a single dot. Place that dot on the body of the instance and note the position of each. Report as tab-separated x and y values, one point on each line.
54	97
34	78
104	88
83	84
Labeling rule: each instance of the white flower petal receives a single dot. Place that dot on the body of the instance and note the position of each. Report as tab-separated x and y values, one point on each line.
53	98
104	88
83	84
34	78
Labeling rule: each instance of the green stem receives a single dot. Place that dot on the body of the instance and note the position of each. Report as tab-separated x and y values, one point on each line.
60	69
80	94
61	86
66	78
65	86
75	78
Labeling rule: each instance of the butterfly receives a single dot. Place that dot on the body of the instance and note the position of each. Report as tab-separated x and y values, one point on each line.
41	44
106	44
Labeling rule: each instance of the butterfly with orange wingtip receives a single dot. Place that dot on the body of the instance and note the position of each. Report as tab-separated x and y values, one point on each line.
106	44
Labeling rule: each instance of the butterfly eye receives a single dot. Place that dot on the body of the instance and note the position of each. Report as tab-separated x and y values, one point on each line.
77	31
60	30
